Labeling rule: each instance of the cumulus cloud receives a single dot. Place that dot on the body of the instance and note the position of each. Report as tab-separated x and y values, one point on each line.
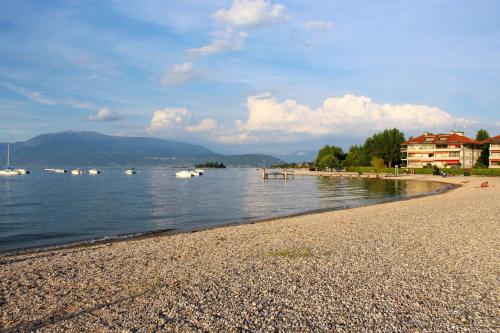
179	74
339	115
203	126
318	25
104	114
169	119
252	13
272	120
243	13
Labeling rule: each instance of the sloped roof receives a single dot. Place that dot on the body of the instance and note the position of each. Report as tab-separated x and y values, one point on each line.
441	139
495	139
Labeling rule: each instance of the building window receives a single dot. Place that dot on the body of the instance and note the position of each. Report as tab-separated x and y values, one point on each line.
454	154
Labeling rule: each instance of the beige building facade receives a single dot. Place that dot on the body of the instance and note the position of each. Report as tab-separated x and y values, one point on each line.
494	156
442	150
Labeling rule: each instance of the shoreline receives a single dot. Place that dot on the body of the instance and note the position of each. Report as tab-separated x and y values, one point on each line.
446	186
426	264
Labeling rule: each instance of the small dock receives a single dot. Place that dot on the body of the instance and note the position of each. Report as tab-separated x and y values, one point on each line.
277	174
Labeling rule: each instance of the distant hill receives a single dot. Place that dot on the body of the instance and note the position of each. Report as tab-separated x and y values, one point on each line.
71	149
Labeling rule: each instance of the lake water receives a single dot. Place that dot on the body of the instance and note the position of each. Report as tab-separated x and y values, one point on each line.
43	209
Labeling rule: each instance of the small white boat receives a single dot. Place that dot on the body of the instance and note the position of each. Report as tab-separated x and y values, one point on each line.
130	172
22	171
8	171
77	172
184	174
194	173
94	172
200	171
56	170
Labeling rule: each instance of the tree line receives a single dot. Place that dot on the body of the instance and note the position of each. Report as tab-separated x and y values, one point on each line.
211	165
379	150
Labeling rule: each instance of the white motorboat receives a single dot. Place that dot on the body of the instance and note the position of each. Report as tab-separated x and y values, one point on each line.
130	172
56	170
184	174
8	171
77	172
94	172
200	171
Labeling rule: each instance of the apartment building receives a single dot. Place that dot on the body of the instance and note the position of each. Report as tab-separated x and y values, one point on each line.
443	150
494	157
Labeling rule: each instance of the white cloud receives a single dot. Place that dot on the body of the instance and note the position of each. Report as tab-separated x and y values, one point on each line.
39	98
252	13
338	115
318	25
79	104
271	120
203	126
242	13
179	74
104	114
34	96
228	41
169	119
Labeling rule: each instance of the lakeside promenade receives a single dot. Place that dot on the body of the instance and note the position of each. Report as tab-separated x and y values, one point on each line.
429	264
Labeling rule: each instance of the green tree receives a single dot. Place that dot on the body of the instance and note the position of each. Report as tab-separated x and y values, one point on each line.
355	157
377	163
329	157
482	135
386	145
483	161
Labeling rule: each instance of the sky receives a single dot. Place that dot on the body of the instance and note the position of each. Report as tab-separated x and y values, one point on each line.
249	75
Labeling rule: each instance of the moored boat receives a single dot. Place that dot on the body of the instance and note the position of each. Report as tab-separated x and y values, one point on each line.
184	174
130	172
56	170
22	171
77	172
9	171
94	172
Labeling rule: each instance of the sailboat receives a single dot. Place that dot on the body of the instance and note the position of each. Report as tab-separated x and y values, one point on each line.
8	171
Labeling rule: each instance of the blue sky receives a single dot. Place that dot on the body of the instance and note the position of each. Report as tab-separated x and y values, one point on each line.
249	75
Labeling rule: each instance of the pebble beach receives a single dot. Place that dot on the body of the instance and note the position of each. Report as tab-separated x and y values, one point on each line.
429	264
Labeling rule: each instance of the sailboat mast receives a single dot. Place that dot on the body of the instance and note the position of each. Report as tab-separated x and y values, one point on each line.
8	155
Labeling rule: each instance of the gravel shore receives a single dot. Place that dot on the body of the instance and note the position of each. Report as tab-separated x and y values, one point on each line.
429	264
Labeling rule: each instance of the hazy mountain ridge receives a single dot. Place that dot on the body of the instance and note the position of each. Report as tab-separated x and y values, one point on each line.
93	148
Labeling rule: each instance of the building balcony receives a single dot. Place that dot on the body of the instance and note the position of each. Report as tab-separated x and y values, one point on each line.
413	158
431	150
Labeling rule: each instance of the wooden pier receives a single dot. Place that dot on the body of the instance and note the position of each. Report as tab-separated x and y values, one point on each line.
277	174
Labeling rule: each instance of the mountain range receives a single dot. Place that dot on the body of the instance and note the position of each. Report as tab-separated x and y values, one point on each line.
73	149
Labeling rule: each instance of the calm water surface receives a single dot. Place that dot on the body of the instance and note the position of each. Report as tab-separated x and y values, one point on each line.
44	209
